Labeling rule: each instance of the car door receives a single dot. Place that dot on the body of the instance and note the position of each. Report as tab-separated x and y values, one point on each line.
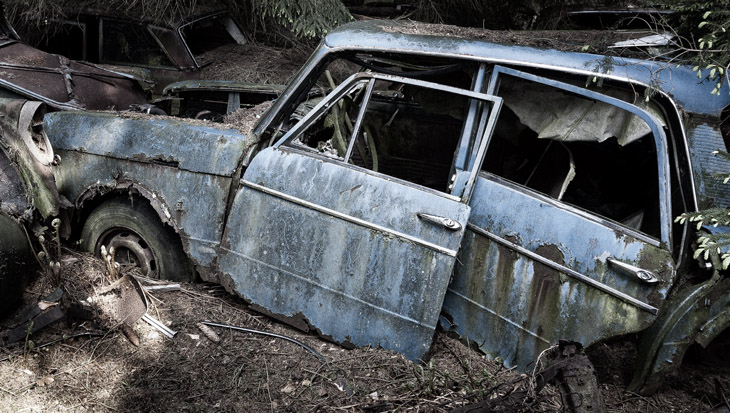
350	222
570	230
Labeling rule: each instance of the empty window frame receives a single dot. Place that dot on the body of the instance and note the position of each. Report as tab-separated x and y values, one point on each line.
129	43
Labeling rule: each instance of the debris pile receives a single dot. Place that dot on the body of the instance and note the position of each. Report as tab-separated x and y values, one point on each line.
252	63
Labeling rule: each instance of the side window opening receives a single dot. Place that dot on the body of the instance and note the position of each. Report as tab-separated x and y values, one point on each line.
210	33
406	131
340	67
66	38
584	153
415	132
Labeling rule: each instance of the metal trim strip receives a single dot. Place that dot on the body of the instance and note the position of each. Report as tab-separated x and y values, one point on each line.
501	317
348	218
616	226
568	271
338	161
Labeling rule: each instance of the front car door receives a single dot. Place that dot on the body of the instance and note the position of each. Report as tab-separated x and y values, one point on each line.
570	230
351	222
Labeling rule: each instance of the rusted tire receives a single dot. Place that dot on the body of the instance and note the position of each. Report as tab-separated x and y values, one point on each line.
568	366
139	239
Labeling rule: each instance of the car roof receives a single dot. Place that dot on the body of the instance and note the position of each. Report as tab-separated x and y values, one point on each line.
680	82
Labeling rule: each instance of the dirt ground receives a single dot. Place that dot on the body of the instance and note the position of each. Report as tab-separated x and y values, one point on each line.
101	370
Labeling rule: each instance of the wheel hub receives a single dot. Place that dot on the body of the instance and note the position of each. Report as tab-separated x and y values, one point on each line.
130	250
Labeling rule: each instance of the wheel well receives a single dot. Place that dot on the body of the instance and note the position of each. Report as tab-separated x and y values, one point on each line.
133	225
92	199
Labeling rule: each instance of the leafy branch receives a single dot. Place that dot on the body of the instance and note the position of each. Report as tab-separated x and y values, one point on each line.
702	30
709	243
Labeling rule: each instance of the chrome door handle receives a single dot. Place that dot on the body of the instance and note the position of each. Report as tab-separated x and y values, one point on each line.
640	273
447	223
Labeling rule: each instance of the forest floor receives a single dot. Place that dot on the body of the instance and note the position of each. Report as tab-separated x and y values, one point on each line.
100	369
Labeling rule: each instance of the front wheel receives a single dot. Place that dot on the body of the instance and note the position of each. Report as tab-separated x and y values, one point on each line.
139	239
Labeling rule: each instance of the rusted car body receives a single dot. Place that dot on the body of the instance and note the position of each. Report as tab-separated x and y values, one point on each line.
63	84
158	53
16	262
27	193
487	185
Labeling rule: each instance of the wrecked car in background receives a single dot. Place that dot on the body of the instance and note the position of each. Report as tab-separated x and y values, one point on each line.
447	176
213	99
63	84
129	60
142	48
28	193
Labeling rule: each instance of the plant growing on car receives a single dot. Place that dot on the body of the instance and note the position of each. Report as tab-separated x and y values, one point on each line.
704	30
709	243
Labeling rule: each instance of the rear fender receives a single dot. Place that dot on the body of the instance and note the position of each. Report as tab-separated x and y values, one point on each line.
29	150
698	314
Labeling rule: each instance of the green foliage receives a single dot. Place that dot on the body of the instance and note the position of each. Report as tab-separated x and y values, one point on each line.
505	15
714	217
305	19
704	30
295	21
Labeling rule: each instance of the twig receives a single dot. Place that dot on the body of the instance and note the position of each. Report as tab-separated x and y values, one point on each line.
268	385
8	392
46	344
319	356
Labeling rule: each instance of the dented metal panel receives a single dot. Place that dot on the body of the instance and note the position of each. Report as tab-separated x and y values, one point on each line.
193	203
341	248
167	141
187	169
696	313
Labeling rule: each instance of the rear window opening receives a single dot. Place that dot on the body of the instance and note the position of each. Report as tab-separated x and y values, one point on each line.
211	33
130	43
67	39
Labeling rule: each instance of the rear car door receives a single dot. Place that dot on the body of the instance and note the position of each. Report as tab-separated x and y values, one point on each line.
570	230
350	222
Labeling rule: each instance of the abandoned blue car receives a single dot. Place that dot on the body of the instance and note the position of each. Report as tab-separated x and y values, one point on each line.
518	196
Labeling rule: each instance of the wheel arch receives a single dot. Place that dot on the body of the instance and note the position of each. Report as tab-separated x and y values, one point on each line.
96	194
698	314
